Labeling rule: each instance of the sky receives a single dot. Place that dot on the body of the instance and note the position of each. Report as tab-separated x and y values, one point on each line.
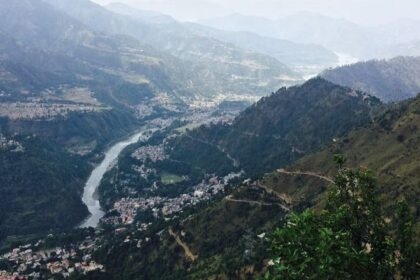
365	12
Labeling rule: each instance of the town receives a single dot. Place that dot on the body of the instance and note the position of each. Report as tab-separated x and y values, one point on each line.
127	208
10	144
30	262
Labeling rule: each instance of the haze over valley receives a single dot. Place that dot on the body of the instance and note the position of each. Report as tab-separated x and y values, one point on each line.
209	139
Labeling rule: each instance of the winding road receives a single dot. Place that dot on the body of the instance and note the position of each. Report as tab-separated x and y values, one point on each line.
325	178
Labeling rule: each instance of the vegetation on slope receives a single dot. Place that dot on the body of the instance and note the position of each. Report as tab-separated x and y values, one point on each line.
389	147
202	65
389	80
350	239
280	128
225	234
41	186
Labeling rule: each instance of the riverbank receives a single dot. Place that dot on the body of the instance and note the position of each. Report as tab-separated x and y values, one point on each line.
89	197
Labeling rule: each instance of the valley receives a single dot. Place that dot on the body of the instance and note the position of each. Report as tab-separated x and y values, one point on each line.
90	189
136	145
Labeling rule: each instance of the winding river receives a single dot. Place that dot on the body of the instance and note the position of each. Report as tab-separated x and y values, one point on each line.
90	197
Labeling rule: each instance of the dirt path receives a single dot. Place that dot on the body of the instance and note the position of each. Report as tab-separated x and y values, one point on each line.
252	202
184	246
283	171
281	196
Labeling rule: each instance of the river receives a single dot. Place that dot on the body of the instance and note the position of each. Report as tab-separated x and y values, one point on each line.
90	197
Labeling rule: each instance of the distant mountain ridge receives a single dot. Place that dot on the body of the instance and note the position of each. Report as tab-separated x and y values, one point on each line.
301	57
71	53
390	80
207	66
335	34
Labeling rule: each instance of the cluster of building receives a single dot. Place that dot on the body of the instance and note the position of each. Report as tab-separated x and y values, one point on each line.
166	101
161	122
29	263
127	208
214	101
153	153
143	110
35	110
144	171
4	275
10	144
201	192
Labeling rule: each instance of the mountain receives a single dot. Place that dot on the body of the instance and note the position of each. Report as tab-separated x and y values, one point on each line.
290	53
147	16
389	80
335	34
300	57
338	35
72	54
411	48
209	67
278	129
389	147
65	94
227	238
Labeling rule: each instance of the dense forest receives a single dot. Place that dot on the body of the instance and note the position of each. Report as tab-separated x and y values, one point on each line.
280	128
41	184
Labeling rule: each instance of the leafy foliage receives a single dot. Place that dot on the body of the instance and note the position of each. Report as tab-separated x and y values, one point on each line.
349	239
39	188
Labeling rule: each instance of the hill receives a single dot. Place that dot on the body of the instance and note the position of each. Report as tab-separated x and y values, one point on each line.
203	65
389	147
65	93
226	237
280	128
44	165
389	80
71	54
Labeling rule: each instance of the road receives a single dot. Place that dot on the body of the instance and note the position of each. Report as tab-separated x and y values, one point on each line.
184	246
325	178
252	202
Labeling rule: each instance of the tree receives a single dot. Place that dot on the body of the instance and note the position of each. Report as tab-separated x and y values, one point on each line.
407	249
349	239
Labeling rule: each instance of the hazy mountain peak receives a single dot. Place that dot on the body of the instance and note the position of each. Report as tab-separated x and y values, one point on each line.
145	15
390	80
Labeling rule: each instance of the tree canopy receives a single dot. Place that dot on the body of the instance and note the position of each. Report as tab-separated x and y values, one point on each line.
350	239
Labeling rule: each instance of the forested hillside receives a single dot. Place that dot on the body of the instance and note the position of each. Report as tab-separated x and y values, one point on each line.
202	65
44	167
389	80
389	147
282	127
227	239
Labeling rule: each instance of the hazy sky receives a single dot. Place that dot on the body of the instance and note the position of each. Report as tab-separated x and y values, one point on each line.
367	12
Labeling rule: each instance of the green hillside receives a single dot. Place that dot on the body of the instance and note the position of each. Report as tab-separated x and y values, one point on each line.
280	128
389	80
389	147
224	234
